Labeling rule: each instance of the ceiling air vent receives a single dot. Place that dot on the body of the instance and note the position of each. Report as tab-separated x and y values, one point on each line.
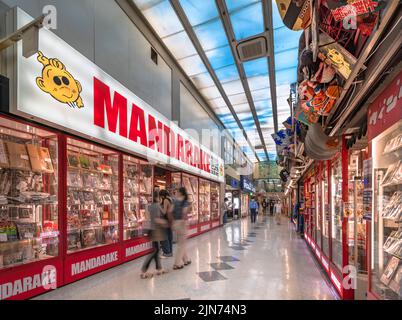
252	49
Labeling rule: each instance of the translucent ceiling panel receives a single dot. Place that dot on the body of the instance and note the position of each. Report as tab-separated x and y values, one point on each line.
146	4
198	11
163	19
193	65
248	21
238	4
210	93
283	90
276	17
220	57
285	39
256	67
286	76
263	94
258	82
233	87
287	59
264	106
241	107
227	74
202	80
180	45
238	99
217	103
211	35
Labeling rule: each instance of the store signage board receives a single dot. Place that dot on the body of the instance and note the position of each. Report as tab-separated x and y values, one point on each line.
386	109
60	87
247	185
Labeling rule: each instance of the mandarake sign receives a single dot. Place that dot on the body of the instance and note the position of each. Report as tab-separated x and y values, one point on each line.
62	88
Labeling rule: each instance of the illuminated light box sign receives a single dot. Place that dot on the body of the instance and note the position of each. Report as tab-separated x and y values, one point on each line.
60	87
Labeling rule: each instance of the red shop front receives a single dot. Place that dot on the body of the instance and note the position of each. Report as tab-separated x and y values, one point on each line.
334	225
74	189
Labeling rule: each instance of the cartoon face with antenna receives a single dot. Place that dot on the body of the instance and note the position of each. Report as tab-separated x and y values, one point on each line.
59	83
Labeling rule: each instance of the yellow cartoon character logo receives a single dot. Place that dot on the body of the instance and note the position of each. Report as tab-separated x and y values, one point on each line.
58	82
339	62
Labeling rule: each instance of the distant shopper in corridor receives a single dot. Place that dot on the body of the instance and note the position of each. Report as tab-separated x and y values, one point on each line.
180	212
253	210
158	233
278	211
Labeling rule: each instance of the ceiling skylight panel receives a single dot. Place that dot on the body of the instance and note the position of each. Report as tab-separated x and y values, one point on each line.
238	4
220	57
233	87
227	74
285	39
180	45
248	21
193	65
203	80
259	82
238	99
286	59
263	94
162	18
210	93
256	67
286	76
211	35
198	11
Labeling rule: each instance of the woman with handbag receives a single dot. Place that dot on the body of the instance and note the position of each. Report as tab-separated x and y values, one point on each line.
158	233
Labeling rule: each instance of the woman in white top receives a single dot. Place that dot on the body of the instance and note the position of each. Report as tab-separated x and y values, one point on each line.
278	212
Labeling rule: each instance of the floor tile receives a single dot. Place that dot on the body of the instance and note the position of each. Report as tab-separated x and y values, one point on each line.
221	266
211	276
228	258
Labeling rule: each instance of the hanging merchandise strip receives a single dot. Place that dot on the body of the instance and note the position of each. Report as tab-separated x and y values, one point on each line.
60	87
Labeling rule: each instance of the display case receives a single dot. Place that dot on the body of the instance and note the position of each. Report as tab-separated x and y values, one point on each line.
326	209
215	201
191	185
336	212
92	196
386	233
356	228
319	205
175	183
133	221
205	201
29	215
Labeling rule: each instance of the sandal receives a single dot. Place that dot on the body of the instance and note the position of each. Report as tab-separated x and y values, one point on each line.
177	267
146	275
187	263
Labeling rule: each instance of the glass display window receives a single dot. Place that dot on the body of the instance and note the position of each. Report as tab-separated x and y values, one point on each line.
215	201
319	209
29	216
386	247
326	209
244	204
92	196
133	221
336	212
175	183
191	185
205	201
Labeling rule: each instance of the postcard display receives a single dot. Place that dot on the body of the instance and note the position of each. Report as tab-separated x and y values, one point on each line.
191	185
205	201
28	195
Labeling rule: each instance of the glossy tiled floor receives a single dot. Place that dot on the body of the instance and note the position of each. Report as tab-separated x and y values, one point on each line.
238	261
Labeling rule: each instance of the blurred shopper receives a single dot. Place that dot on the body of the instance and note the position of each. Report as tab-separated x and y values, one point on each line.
225	210
181	208
265	206
253	210
158	233
271	207
278	211
166	204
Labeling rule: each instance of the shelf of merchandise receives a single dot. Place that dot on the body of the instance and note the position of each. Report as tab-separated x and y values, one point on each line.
215	205
204	196
191	183
385	274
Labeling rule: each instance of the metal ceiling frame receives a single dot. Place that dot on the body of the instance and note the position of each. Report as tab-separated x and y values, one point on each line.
269	28
193	37
227	25
143	25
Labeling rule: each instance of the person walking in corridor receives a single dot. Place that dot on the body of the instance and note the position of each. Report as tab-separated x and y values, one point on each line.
253	210
166	204
158	233
181	207
278	211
